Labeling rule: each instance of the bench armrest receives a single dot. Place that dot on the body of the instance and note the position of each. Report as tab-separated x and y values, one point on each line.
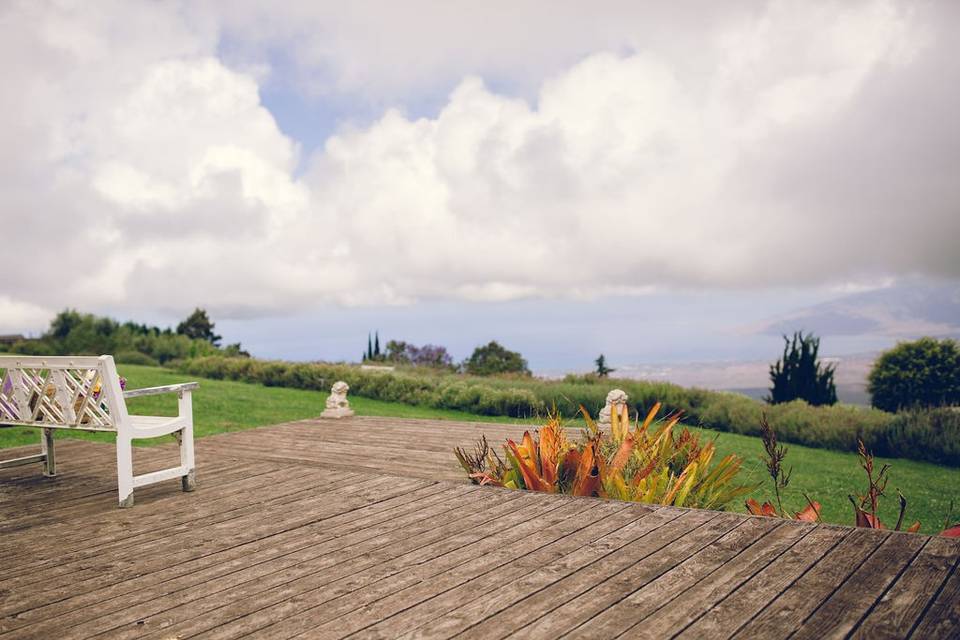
170	388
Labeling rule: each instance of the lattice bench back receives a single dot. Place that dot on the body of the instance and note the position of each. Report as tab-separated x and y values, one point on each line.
62	392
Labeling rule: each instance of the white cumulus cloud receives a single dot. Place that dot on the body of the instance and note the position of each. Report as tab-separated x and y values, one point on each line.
142	169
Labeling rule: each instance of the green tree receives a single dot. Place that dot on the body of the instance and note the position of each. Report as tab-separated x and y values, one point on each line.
398	351
602	370
198	326
492	359
235	350
921	373
799	375
376	346
64	322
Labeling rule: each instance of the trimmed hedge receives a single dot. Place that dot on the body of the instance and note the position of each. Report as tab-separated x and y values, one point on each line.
932	436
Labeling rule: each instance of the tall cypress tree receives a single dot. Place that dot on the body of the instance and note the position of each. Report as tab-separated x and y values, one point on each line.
369	355
799	375
602	370
376	346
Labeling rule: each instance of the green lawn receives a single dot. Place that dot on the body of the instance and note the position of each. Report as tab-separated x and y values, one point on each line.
827	476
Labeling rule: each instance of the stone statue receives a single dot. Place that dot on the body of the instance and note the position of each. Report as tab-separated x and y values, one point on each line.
616	398
337	404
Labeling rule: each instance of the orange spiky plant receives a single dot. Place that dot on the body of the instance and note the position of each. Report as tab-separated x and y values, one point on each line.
647	463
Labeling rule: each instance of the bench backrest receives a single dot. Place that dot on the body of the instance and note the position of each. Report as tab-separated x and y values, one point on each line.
72	392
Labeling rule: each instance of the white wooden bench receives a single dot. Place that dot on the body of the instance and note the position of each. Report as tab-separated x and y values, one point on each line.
83	393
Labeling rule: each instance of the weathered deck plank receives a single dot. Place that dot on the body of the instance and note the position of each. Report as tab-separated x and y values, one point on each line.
365	526
151	593
895	614
838	615
801	598
942	618
492	594
632	609
702	597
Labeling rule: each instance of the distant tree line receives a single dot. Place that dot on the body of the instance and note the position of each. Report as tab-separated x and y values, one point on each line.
75	333
486	360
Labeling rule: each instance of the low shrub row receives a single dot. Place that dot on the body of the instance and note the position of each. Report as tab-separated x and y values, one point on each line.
935	432
932	435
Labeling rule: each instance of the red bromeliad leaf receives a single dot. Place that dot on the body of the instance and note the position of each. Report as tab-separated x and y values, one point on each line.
529	449
952	532
568	468
549	450
587	481
531	479
753	507
589	486
914	527
867	520
622	457
646	471
766	509
811	513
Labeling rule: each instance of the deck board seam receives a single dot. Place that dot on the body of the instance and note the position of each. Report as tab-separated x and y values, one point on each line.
587	509
803	573
685	558
186	512
639	517
719	567
747	580
889	586
519	602
307	575
282	569
121	542
933	598
202	555
672	537
842	582
294	550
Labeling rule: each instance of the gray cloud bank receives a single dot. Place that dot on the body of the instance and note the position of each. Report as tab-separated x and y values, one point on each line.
628	150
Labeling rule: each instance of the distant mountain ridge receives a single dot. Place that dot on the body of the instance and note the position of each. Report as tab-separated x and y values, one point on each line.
905	311
851	370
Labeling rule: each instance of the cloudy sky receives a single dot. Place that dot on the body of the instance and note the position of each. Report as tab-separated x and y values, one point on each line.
568	177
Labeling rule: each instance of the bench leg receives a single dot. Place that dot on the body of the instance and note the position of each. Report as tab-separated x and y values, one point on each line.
189	481
49	456
125	470
185	438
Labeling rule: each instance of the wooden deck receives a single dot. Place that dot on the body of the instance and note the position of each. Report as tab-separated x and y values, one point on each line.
364	527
